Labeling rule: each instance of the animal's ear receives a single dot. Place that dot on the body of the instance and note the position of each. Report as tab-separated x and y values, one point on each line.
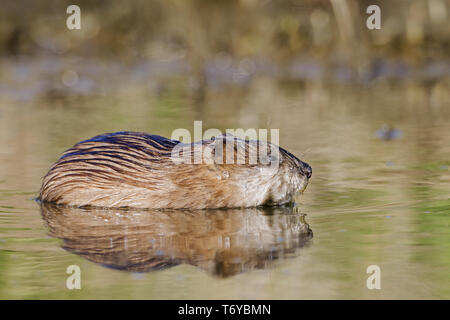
269	154
223	149
213	151
270	160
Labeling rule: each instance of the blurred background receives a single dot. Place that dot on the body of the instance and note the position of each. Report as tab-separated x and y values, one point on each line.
369	110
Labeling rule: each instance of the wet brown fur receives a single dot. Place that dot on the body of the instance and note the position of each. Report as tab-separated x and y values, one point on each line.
131	169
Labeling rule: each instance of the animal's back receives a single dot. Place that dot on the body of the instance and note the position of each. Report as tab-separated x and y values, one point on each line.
109	170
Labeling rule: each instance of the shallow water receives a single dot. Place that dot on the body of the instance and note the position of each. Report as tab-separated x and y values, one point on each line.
372	200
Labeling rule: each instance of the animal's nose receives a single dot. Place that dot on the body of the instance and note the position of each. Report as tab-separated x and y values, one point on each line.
306	170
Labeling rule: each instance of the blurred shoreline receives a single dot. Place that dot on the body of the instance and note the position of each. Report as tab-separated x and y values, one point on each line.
24	79
219	45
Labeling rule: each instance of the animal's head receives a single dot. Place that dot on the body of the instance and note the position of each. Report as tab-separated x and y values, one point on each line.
261	168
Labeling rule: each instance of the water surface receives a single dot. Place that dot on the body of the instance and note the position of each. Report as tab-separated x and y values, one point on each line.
375	198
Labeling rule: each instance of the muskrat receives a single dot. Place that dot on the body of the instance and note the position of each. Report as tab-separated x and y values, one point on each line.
132	169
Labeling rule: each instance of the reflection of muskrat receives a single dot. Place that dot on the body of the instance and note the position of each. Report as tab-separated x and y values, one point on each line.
130	169
223	242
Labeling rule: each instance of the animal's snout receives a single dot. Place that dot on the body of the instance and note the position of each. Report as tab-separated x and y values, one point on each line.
306	169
